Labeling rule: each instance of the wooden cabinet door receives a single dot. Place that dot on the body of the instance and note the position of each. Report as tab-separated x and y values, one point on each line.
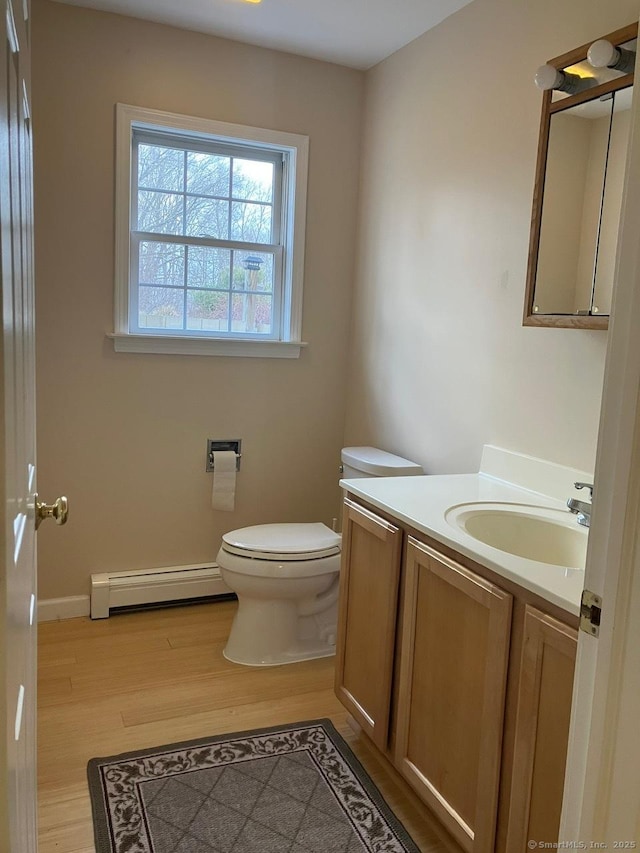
542	730
453	668
368	604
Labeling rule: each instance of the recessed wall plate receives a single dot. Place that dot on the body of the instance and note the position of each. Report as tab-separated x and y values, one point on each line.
213	444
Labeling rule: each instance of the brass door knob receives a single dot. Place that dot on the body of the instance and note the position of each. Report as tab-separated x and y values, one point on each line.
59	511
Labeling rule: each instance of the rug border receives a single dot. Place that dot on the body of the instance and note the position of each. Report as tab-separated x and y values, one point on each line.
96	791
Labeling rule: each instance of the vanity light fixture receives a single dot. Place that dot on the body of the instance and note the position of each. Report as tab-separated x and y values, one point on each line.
547	77
603	54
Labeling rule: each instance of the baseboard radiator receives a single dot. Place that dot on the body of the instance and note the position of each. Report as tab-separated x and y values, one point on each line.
111	590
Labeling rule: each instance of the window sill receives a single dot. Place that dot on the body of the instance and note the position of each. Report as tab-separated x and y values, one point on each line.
179	345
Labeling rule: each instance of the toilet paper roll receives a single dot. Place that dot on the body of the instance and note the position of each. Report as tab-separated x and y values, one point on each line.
223	496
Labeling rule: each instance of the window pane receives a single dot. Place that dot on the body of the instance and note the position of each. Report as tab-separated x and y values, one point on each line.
208	267
160	213
160	308
252	271
161	263
252	180
207	311
264	320
251	314
160	168
251	222
207	217
208	174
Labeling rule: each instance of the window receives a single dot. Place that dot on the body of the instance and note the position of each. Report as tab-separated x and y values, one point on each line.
209	236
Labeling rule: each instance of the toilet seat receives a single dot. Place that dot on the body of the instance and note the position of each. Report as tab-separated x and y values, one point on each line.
296	542
259	567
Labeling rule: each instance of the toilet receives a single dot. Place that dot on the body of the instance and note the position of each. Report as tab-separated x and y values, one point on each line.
286	577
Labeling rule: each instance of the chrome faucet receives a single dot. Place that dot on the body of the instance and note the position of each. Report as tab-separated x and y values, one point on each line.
581	508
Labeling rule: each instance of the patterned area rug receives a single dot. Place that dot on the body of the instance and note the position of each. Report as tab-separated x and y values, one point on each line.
296	788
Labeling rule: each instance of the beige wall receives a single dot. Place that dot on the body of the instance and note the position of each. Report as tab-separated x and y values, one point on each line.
440	360
124	435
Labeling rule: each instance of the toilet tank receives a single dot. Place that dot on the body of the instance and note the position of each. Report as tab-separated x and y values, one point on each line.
372	462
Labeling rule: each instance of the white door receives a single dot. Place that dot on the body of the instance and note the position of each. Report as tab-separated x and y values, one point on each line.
17	432
602	789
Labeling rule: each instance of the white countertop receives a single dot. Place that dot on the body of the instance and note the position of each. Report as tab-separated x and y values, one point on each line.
421	502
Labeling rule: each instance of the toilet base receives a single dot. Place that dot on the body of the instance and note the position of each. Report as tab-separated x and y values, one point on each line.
293	656
284	635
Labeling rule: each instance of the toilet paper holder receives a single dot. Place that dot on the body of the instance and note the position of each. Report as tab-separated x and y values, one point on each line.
214	444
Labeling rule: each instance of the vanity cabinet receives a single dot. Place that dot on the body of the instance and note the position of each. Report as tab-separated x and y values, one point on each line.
462	678
365	647
453	661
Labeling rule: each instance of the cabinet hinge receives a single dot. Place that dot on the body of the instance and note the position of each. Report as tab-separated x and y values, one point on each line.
590	613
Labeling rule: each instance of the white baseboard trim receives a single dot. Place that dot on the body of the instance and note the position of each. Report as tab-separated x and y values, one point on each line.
53	609
154	586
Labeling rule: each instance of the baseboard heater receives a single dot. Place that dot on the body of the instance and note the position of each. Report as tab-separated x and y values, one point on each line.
110	590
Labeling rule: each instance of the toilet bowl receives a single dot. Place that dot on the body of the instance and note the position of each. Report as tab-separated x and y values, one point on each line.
286	578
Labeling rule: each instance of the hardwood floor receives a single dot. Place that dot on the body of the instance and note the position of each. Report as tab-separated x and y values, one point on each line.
156	677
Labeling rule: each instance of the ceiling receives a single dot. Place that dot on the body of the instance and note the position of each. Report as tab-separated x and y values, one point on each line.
358	33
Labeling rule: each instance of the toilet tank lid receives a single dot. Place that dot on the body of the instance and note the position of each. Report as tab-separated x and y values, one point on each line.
295	538
372	460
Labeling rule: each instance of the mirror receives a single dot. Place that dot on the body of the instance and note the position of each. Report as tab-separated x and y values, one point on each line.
578	193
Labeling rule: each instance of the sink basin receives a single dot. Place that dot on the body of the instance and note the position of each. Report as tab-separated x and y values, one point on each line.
550	536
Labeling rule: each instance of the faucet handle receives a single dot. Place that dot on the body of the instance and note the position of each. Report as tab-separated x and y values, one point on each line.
585	486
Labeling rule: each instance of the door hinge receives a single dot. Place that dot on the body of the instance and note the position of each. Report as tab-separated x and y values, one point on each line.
590	613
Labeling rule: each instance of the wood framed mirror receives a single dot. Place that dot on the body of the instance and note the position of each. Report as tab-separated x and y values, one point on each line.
577	195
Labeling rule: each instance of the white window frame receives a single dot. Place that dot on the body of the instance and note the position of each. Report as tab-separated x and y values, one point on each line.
295	151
